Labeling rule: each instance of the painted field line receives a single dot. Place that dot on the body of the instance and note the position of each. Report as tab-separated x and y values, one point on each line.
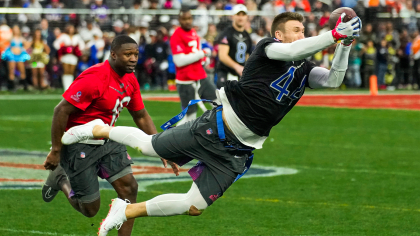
326	204
367	171
38	232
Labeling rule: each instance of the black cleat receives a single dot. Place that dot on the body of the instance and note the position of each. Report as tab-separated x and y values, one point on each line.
52	185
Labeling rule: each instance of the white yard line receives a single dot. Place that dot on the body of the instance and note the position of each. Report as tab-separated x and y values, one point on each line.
38	232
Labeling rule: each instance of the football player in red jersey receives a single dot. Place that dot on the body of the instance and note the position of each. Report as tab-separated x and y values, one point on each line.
97	96
188	57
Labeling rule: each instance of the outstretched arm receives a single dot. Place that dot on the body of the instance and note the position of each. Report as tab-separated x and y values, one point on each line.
304	48
323	78
299	49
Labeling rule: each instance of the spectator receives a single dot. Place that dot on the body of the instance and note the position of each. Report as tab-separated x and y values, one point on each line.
409	16
160	55
34	18
16	55
392	35
89	30
47	36
39	59
403	53
320	7
367	34
99	12
99	44
55	19
83	63
26	33
353	76
144	26
323	21
382	59
257	36
118	27
135	19
70	46
369	67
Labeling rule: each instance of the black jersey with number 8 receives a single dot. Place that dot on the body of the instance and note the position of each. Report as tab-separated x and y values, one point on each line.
239	44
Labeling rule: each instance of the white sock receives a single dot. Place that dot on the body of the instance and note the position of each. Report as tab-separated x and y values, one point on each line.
67	81
188	117
134	138
176	204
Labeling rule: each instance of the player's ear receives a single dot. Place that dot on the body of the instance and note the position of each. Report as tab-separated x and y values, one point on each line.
113	55
279	35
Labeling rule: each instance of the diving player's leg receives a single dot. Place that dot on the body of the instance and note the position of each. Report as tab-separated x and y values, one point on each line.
186	94
129	136
209	184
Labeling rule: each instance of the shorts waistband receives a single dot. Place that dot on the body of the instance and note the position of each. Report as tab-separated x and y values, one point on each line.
93	142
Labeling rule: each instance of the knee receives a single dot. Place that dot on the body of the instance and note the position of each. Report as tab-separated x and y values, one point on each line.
129	191
89	211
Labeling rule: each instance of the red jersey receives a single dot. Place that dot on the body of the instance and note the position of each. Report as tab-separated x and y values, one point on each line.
187	42
100	93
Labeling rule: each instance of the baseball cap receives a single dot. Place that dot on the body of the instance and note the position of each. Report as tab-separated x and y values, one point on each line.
25	29
118	23
238	8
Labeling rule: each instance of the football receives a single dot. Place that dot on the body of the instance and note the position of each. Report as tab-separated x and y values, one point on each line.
350	13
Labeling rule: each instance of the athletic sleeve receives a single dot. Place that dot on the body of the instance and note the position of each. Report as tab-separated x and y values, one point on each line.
324	78
84	90
299	49
136	103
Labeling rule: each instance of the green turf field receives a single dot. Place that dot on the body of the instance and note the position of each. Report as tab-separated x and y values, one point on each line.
358	174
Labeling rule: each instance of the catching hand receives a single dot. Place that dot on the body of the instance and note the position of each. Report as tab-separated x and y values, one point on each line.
350	29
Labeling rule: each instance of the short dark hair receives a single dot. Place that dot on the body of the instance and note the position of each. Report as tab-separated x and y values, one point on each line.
184	9
281	19
120	40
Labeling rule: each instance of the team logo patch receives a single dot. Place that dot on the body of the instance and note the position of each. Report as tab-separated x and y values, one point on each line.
76	97
146	170
82	155
209	131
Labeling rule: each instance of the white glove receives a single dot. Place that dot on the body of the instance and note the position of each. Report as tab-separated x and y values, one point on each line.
343	30
207	52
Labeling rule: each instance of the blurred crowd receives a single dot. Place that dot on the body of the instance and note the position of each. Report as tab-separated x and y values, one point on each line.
32	45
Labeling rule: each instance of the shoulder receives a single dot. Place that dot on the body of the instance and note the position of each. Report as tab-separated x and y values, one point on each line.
97	72
266	41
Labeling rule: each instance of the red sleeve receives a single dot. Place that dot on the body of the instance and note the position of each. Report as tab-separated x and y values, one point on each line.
83	90
177	46
136	102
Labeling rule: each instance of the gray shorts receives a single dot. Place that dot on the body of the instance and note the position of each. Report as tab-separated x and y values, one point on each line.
83	164
187	92
218	164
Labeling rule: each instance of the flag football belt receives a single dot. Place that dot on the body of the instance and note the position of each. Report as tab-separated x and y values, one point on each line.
220	130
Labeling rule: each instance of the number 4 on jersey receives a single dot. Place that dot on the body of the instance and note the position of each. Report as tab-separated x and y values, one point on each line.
276	84
288	77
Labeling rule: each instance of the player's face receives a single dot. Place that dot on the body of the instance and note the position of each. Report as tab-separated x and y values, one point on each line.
240	19
126	57
185	20
293	30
